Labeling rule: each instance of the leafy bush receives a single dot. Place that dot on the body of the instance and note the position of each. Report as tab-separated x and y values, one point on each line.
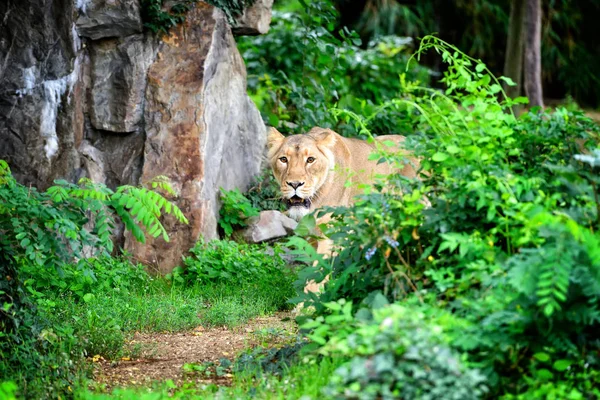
46	231
235	210
82	279
392	353
303	67
510	242
229	261
248	267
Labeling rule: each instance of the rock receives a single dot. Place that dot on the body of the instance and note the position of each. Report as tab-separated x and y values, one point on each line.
267	226
109	18
255	19
41	95
202	130
93	161
123	155
118	75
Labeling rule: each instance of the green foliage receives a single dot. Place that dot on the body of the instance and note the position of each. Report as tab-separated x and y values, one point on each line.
8	390
235	210
208	369
304	66
509	243
222	261
257	267
41	234
394	353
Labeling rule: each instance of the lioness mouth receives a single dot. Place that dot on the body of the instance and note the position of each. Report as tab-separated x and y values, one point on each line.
296	201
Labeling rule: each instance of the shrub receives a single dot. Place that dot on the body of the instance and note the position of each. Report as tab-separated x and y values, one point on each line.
392	353
229	261
510	242
251	268
265	192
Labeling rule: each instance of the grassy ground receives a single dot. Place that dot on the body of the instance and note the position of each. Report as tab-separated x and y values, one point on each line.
107	319
299	381
113	314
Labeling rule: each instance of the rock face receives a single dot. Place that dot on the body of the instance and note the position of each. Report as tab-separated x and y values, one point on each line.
268	225
203	132
84	92
118	72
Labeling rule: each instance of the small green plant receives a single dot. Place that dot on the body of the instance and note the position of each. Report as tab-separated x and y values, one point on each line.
272	360
208	369
159	20
235	210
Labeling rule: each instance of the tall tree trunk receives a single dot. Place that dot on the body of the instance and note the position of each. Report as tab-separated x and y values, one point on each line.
513	60
533	52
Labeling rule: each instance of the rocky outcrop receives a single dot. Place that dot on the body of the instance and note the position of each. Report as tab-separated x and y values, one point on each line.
268	225
84	92
203	132
108	18
255	20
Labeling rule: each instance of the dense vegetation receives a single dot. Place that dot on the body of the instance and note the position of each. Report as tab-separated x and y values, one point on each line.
492	291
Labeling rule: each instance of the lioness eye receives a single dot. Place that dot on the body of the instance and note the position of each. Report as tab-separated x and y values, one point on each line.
283	159
310	160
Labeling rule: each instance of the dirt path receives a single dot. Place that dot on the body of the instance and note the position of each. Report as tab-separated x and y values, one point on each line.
164	355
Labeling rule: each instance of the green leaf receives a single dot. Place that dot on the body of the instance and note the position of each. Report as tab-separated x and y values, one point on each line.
544	374
88	297
542	357
439	157
453	149
561	365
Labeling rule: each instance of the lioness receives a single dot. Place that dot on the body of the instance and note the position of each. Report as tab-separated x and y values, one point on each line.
313	168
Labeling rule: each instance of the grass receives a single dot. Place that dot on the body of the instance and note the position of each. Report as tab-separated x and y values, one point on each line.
106	319
301	380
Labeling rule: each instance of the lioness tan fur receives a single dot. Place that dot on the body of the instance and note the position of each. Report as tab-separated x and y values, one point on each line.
313	168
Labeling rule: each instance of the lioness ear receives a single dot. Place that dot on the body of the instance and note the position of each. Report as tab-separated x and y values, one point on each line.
274	138
326	138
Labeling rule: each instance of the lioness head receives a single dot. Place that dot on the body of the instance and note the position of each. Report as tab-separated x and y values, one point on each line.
301	165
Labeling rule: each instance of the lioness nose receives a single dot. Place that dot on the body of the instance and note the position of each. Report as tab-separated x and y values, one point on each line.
295	185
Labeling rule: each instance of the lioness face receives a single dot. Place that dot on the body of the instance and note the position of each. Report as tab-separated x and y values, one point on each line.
301	164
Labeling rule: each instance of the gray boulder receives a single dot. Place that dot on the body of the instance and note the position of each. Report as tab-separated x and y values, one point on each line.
268	225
